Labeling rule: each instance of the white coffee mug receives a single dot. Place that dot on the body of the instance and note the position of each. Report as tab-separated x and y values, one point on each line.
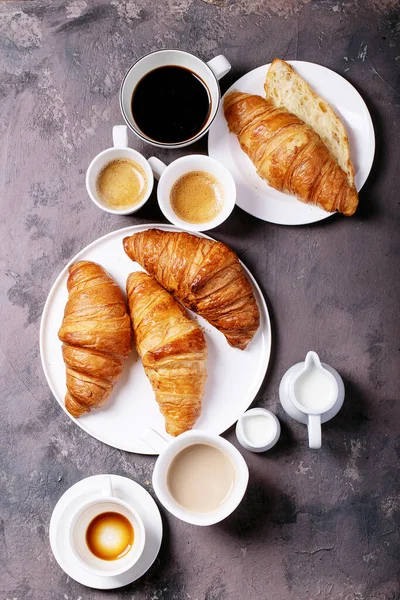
168	175
80	521
169	448
209	72
119	151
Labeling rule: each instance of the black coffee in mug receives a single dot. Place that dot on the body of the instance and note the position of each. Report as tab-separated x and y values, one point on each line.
171	104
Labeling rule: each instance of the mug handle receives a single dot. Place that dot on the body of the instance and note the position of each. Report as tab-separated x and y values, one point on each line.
120	136
157	166
220	66
314	431
155	440
107	489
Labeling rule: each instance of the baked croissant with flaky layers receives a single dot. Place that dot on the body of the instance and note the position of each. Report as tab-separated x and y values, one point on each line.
289	154
96	335
206	276
172	348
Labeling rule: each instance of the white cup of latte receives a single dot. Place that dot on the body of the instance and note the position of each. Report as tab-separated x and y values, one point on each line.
195	192
199	477
106	535
119	180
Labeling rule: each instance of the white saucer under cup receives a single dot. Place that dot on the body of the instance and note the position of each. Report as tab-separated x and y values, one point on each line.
89	489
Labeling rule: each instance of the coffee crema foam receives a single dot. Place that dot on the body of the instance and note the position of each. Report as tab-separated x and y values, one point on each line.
121	184
197	197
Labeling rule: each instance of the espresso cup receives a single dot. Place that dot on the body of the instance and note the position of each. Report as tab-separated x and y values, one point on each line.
82	518
169	175
119	151
170	448
209	74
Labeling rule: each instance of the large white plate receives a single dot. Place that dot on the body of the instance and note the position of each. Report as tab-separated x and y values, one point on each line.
254	195
234	376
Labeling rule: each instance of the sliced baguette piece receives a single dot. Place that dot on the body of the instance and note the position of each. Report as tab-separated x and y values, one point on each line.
287	89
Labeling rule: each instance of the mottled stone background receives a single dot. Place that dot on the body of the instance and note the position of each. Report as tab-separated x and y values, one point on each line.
314	524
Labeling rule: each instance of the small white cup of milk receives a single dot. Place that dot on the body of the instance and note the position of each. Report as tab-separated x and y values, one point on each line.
258	430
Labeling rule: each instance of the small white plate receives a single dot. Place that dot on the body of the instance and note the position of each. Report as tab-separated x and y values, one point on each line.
254	195
234	376
85	491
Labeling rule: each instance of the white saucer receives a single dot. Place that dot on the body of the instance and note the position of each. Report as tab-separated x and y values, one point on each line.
84	491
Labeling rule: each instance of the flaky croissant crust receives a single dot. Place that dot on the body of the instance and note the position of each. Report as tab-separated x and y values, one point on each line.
96	336
172	348
289	154
206	276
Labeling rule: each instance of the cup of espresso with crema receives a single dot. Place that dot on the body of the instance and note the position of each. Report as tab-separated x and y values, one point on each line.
106	535
169	98
119	180
194	192
199	477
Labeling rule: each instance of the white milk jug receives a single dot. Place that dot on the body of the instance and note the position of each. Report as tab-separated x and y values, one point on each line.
312	393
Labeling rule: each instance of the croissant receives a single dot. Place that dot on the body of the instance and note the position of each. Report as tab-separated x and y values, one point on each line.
206	276
172	348
289	154
96	336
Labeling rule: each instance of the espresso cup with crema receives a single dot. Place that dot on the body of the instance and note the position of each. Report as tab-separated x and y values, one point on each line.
155	103
97	551
172	176
200	478
120	153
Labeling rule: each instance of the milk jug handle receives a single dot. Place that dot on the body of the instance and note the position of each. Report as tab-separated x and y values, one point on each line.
314	431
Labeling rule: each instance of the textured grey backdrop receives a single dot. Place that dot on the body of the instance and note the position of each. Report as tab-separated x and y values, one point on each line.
314	525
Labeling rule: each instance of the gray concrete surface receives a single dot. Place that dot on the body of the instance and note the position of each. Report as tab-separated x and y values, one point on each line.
314	525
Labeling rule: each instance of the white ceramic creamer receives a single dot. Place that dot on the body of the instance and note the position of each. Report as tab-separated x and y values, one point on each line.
312	393
258	430
255	430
